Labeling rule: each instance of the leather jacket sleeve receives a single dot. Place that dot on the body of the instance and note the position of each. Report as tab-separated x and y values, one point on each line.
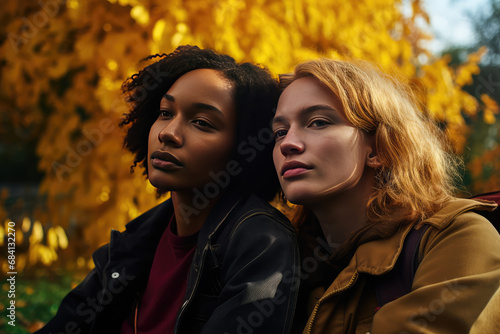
260	275
98	304
454	283
78	309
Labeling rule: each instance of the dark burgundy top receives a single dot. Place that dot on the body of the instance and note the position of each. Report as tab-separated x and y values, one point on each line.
166	287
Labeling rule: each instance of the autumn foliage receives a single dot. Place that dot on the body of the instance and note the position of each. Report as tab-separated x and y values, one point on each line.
62	64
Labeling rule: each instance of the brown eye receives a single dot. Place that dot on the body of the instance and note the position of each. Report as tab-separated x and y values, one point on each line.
165	114
279	134
203	124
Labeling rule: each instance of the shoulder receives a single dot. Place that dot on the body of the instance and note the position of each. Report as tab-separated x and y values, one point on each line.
259	232
141	234
460	241
458	219
257	229
255	213
458	211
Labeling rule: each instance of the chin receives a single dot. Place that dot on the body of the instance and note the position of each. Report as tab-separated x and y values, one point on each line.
302	194
297	197
160	183
161	187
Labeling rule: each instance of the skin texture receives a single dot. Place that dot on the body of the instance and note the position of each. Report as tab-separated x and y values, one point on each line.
192	137
335	161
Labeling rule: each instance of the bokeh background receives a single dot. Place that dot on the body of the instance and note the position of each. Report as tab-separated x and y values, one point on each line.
65	180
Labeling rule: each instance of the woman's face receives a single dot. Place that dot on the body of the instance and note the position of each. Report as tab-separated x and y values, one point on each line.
194	134
318	153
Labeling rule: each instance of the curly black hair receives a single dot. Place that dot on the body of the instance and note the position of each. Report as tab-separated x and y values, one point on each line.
255	96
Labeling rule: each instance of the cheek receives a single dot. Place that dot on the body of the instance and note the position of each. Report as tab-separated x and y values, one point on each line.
153	135
337	156
213	155
152	140
277	156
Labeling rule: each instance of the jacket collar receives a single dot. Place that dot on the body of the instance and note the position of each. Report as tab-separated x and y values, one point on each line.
148	220
136	246
456	207
377	257
221	210
142	234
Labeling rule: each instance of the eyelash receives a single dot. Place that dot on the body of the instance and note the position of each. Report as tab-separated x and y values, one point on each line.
280	133
201	123
205	125
161	113
277	134
322	120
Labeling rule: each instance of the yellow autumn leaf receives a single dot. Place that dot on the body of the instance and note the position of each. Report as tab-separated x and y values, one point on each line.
26	224
490	103
140	14
61	237
37	233
52	238
489	116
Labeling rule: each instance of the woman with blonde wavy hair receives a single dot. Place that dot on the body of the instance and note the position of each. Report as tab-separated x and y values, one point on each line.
386	247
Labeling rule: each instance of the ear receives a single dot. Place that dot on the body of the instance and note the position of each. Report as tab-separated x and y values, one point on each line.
372	159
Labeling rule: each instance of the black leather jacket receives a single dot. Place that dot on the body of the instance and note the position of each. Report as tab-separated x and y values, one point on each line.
244	277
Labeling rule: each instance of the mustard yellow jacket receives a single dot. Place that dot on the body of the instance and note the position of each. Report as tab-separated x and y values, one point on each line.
455	288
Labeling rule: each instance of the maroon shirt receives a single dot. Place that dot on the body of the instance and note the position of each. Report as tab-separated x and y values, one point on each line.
166	285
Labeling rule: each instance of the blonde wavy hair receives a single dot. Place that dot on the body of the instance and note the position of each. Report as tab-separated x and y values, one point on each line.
418	170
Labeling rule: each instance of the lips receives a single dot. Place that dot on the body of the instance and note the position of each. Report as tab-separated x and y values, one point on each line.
294	168
164	161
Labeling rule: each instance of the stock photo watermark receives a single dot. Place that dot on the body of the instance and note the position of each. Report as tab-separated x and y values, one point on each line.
264	309
95	136
11	273
249	149
486	84
428	313
91	306
74	155
33	23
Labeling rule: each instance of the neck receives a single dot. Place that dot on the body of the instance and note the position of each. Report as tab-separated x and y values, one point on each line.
190	215
344	213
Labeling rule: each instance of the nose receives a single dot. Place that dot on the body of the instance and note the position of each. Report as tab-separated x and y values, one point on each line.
291	143
171	133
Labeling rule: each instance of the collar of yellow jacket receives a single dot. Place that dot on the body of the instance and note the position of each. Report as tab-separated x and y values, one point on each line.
377	257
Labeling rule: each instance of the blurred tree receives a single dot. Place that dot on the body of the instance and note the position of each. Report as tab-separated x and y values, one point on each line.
487	26
482	154
62	64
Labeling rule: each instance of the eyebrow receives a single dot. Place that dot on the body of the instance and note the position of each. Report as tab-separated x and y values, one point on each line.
197	105
169	97
308	110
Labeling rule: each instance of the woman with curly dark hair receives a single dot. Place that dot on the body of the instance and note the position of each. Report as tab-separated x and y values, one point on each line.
215	257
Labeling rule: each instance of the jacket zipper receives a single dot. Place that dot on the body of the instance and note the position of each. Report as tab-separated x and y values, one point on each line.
351	282
186	303
200	272
136	314
316	307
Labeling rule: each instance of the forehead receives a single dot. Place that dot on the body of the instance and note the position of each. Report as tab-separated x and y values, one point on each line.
202	81
303	93
205	87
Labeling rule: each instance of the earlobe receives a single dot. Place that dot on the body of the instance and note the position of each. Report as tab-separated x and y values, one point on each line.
373	161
